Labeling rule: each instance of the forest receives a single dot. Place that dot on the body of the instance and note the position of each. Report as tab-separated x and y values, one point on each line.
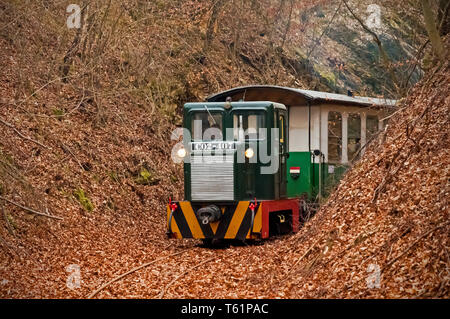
91	91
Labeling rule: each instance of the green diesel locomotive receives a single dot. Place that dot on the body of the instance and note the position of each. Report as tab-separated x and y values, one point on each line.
253	154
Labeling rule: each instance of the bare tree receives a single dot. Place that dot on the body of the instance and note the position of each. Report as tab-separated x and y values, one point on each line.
432	30
215	10
75	45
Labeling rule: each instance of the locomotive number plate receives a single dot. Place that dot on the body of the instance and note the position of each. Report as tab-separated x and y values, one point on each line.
212	146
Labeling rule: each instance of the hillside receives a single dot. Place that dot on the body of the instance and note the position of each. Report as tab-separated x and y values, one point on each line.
86	117
389	214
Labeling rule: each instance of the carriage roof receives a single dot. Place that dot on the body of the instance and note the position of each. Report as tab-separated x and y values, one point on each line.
294	97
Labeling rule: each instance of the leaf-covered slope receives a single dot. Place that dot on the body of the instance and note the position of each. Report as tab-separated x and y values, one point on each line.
385	231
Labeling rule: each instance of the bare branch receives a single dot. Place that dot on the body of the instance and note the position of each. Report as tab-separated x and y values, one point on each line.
132	271
377	40
29	210
21	135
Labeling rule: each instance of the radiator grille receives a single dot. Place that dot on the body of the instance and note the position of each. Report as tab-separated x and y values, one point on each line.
212	178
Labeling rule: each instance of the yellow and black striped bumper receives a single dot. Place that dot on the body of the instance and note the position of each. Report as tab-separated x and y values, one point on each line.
235	223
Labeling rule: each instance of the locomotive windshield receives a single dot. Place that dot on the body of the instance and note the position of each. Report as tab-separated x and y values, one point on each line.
206	126
248	127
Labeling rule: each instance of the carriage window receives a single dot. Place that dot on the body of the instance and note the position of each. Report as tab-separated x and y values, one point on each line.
354	135
247	126
334	137
206	126
371	125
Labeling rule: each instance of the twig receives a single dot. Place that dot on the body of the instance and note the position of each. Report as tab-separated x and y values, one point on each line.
324	31
384	56
391	115
8	224
21	135
66	148
414	66
42	87
132	271
390	263
84	98
6	244
163	291
389	173
365	145
307	252
301	258
30	210
79	104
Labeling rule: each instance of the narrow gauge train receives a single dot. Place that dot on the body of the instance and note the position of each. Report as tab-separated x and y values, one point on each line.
252	154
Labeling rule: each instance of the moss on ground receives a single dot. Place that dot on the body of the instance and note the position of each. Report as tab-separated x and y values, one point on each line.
83	199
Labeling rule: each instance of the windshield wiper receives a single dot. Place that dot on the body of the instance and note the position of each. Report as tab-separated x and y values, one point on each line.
215	123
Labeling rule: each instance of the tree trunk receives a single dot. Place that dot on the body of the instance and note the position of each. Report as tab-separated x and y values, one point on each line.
216	6
433	33
74	47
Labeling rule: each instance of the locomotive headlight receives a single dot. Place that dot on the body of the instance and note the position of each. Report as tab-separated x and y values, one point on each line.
249	152
181	152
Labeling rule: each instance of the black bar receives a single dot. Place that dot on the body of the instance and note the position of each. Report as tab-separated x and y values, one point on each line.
182	223
228	308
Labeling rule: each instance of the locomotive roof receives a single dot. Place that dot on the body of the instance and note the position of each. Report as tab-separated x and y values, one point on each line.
247	104
293	96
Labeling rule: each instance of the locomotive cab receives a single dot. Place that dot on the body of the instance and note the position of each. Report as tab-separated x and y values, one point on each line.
235	151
